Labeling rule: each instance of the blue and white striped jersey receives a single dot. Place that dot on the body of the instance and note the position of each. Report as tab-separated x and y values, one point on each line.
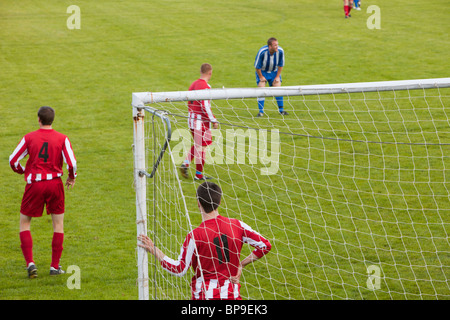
267	62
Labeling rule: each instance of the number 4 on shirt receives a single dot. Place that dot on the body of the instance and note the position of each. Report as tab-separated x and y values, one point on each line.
43	153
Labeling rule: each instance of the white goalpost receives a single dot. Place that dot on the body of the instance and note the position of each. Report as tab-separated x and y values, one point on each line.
351	188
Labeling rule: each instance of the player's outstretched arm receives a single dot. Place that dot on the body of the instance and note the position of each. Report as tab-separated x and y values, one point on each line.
150	247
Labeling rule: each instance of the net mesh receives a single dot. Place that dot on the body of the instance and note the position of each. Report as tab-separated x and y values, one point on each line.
352	190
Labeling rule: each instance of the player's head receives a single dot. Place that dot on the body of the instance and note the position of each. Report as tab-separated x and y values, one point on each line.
272	43
46	115
209	195
206	70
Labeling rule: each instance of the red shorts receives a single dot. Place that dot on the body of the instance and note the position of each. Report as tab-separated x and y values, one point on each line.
37	194
202	136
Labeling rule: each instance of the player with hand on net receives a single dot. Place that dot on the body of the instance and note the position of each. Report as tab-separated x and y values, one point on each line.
213	250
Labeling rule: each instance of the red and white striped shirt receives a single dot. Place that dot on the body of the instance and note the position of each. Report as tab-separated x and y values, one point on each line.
200	114
213	249
47	149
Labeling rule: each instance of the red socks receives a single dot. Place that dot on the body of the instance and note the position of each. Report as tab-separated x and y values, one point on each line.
347	10
26	243
190	155
57	248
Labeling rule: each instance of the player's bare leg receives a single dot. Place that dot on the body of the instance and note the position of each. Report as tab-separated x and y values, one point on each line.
25	223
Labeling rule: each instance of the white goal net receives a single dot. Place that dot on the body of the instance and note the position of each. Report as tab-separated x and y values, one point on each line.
351	187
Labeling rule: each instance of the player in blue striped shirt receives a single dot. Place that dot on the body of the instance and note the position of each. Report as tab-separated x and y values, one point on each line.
269	63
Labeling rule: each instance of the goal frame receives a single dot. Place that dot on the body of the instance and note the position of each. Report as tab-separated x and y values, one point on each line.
141	99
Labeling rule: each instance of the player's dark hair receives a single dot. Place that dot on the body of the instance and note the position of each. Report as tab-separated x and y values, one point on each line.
46	115
209	195
269	42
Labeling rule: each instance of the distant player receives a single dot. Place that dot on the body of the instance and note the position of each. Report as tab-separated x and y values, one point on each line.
213	250
200	120
269	63
47	149
357	4
347	8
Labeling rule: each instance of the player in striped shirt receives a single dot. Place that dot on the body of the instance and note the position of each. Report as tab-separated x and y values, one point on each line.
200	121
269	63
47	149
213	250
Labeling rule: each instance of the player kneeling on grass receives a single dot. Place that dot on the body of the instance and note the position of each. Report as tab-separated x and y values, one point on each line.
213	249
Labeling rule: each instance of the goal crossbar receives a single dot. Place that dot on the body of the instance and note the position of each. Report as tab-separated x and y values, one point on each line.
139	99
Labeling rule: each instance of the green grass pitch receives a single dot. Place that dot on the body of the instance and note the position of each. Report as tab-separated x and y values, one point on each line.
88	76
